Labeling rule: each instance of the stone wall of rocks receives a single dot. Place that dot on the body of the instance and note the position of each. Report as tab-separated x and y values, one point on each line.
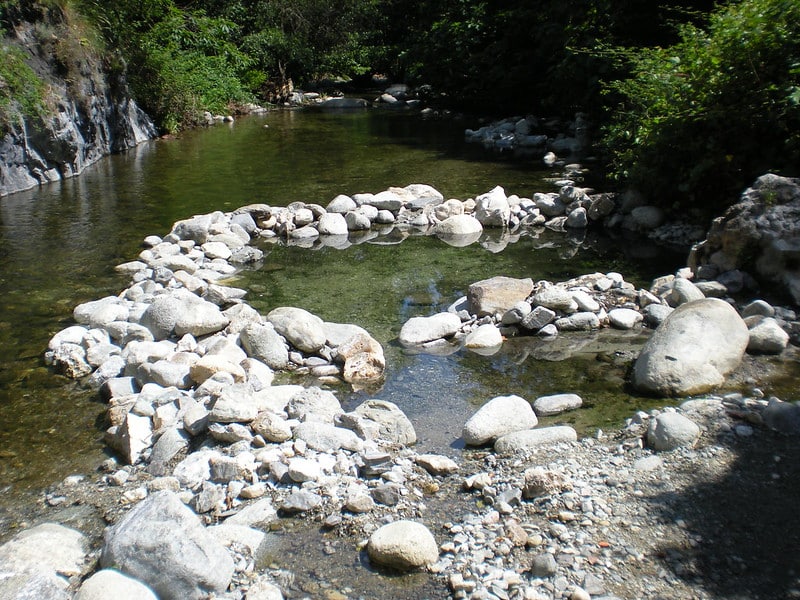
211	452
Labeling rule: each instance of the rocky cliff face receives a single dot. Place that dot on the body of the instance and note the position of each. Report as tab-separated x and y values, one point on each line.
89	113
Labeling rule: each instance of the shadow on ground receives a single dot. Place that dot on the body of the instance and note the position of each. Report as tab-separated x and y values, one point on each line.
743	525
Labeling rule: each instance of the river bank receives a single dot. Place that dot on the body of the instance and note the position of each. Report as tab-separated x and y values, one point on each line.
366	476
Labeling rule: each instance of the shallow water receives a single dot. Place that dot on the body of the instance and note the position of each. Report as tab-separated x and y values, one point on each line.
59	245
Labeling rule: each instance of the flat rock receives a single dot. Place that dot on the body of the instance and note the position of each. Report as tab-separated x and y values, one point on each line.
556	403
497	295
520	441
436	464
325	437
419	330
624	318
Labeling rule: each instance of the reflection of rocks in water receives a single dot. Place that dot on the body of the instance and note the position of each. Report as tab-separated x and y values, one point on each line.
602	344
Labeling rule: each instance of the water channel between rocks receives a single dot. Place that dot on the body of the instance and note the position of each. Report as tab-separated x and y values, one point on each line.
59	245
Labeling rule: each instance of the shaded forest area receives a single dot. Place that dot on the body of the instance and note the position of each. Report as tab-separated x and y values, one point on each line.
691	100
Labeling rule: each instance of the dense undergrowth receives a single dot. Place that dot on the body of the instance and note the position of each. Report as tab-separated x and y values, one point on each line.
691	98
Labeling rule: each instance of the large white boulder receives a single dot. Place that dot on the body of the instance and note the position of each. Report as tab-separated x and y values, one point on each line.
693	350
162	543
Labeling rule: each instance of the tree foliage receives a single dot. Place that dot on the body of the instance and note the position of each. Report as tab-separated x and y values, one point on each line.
700	119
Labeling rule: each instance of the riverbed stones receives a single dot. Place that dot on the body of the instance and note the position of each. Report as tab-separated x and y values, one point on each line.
555	298
419	330
484	336
497	295
682	291
459	225
162	543
403	545
692	350
624	318
436	464
499	416
671	430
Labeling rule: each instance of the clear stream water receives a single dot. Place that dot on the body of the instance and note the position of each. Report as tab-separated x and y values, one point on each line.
59	245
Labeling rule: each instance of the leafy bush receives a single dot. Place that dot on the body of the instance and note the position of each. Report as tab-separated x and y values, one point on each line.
701	119
22	92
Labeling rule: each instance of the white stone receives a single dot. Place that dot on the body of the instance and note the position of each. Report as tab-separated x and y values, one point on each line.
520	441
671	430
498	417
403	545
693	350
556	403
110	583
419	330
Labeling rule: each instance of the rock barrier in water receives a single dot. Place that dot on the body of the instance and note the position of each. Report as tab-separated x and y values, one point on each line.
187	367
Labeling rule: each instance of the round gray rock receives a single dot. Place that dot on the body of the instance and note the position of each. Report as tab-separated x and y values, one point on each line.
498	417
693	350
671	430
304	331
403	545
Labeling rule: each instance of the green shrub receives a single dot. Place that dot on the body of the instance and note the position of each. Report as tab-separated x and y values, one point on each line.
699	120
22	92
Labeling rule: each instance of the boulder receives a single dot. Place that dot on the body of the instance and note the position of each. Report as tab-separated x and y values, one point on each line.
392	423
497	295
332	224
492	208
693	350
498	417
304	331
759	235
403	545
419	330
162	543
263	342
671	430
766	336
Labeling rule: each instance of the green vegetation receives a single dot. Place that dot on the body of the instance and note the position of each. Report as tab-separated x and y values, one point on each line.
699	120
22	93
694	98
